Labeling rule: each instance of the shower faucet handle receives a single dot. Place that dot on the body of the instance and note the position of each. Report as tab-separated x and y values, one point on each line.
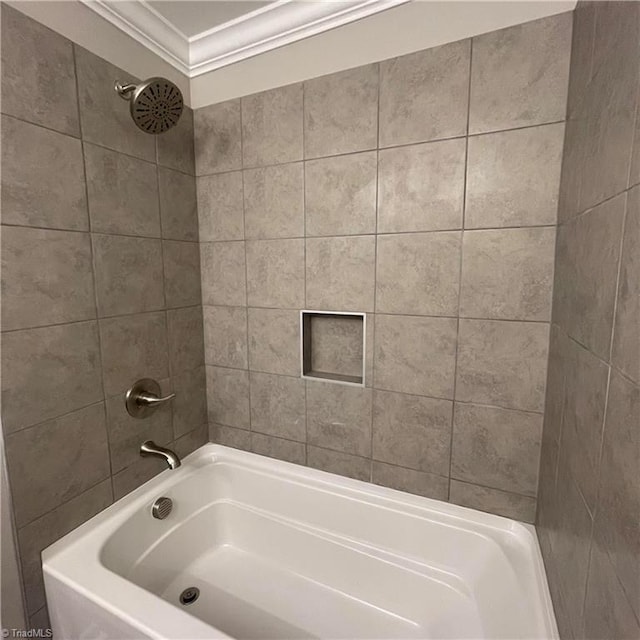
144	397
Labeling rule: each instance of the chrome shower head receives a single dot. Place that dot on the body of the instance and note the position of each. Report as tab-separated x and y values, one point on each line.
155	104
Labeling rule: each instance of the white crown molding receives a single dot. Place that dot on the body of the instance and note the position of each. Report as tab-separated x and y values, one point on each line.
145	25
270	27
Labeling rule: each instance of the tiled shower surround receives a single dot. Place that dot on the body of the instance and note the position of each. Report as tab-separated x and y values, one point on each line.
589	499
100	287
422	191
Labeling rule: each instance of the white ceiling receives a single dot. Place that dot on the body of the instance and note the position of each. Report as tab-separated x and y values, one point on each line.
192	17
199	36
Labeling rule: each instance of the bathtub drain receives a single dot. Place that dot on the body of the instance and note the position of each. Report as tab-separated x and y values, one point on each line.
190	595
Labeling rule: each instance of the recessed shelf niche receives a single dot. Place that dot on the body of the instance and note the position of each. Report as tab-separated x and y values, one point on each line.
333	346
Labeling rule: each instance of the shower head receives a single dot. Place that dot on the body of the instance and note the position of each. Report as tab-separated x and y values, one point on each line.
155	104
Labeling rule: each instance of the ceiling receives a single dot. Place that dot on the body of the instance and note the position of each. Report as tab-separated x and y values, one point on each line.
199	36
192	17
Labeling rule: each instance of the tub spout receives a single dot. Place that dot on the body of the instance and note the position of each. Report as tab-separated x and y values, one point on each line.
150	448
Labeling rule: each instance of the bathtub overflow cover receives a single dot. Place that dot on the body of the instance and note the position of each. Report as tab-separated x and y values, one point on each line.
189	595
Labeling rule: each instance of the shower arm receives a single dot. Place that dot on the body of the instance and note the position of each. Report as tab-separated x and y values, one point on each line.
124	90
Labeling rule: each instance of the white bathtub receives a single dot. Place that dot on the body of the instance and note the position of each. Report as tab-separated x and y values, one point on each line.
282	551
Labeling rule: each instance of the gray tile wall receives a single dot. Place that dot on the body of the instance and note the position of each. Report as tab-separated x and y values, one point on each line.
100	286
589	498
422	190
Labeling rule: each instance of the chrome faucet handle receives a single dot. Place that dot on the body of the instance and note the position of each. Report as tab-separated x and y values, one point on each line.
144	397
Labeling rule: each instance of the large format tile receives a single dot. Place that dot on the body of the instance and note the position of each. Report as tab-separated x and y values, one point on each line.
137	474
607	612
185	334
340	273
82	435
278	448
421	483
40	533
559	344
509	505
343	464
410	431
520	75
272	126
424	95
33	194
126	433
502	363
341	112
275	273
513	177
38	76
497	448
123	193
278	406
176	146
583	417
220	211
422	187
228	397
573	163
181	273
274	341
340	195
218	138
274	201
571	542
339	417
225	336
62	363
634	172
584	16
231	437
46	277
128	274
178	205
418	273
610	109
415	355
508	273
104	115
626	335
588	250
190	404
189	442
223	273
616	525
133	347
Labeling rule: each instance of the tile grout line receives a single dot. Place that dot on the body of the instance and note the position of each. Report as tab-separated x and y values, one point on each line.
275	239
375	279
389	147
68	500
80	138
246	281
93	268
593	513
170	371
460	266
101	319
304	266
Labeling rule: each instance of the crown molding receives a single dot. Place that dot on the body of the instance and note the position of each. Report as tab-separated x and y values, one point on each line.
145	25
278	24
